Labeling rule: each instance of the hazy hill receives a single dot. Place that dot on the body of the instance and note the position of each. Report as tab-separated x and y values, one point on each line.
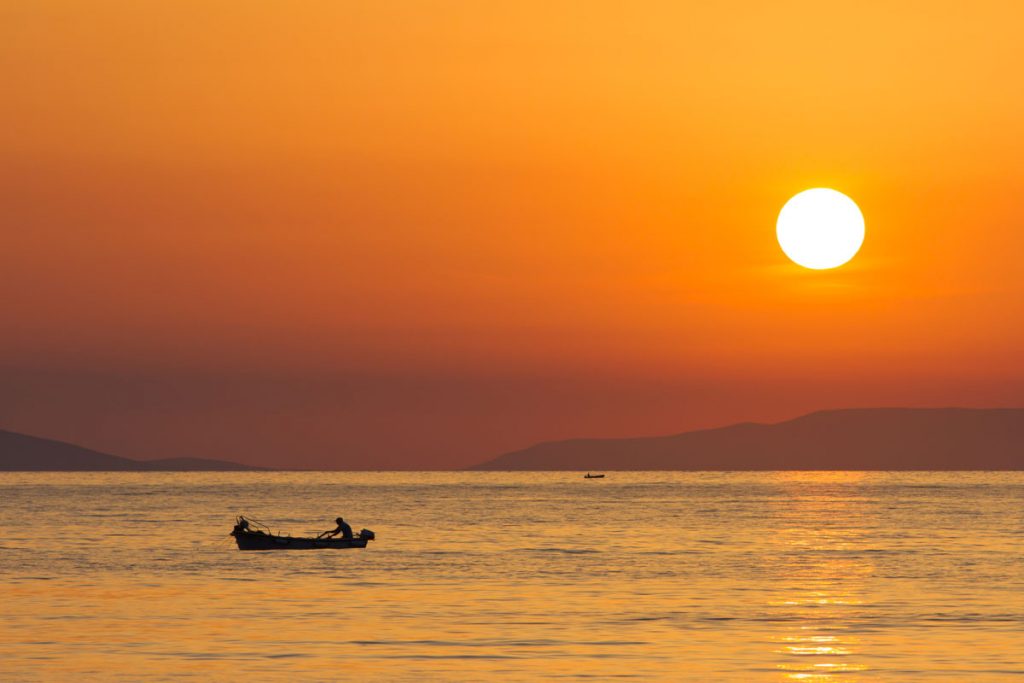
856	439
30	453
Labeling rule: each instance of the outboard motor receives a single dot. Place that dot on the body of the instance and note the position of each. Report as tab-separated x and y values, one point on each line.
367	534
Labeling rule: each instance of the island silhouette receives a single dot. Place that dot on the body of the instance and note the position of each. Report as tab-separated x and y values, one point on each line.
21	452
849	439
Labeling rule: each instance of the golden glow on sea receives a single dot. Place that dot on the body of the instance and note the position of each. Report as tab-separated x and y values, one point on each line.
826	577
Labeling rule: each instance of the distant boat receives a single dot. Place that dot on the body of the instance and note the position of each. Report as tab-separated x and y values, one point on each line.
258	539
588	475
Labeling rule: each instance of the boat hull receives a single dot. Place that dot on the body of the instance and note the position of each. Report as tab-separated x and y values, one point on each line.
248	540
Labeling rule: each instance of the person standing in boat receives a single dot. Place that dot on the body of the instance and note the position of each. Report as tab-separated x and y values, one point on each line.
343	528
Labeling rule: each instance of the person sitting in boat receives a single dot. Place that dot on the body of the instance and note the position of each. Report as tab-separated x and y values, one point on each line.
243	527
343	528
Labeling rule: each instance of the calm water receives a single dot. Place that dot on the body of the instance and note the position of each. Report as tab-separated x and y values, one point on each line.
682	576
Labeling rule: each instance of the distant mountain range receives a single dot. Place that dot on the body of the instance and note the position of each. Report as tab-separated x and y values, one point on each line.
855	439
19	452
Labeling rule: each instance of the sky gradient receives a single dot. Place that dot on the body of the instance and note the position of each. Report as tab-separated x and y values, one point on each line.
420	234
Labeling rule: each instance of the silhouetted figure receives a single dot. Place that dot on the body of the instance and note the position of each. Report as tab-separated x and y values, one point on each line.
343	528
243	527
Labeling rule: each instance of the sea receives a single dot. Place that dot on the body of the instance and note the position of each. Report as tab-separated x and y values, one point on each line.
474	576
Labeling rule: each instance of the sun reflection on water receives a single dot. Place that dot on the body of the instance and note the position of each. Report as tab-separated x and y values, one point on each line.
821	576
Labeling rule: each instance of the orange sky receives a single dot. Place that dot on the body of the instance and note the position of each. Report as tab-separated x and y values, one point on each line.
418	234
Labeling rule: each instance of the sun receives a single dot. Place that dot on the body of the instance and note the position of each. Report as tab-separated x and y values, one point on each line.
820	228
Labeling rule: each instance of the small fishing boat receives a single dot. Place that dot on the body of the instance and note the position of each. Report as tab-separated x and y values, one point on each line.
588	475
262	538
